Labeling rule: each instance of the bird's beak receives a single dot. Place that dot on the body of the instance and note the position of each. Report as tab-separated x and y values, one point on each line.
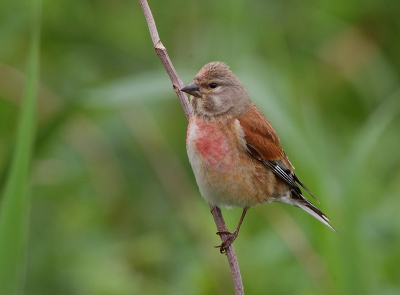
192	89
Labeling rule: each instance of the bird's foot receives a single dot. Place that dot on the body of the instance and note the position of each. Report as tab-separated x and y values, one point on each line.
227	240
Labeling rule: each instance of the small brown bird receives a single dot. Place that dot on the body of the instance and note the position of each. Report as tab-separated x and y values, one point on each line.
235	153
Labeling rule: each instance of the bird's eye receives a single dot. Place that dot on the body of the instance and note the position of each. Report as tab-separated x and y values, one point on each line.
213	85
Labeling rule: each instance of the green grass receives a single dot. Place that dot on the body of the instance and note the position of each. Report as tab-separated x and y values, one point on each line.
15	203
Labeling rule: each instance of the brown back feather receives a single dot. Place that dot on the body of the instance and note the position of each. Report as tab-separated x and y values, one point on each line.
260	135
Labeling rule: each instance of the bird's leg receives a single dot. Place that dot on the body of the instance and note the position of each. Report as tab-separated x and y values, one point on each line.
228	237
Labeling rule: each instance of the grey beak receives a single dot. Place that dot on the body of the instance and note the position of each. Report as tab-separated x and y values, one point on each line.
192	89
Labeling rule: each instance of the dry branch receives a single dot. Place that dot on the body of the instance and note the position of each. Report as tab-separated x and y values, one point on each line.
177	85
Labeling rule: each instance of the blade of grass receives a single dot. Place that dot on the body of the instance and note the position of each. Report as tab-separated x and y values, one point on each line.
14	209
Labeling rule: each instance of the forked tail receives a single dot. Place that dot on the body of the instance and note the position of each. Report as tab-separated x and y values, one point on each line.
299	201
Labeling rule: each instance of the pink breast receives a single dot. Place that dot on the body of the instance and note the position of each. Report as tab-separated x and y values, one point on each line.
212	144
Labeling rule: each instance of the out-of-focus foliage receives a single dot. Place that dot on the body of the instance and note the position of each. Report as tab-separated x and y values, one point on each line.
15	200
115	208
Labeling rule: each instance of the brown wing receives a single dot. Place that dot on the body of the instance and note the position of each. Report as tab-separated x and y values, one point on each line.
263	144
260	135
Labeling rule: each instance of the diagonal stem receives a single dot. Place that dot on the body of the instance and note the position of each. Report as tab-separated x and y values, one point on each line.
177	85
164	57
230	252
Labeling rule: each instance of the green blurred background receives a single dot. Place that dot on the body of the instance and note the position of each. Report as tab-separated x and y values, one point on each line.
114	205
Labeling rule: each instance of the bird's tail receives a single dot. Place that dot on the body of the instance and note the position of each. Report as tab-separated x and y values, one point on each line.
300	201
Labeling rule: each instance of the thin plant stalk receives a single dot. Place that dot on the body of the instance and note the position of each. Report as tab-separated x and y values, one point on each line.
177	85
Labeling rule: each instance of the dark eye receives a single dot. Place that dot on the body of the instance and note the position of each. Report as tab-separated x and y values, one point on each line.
213	85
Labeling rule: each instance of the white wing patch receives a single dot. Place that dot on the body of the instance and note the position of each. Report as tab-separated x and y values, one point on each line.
240	135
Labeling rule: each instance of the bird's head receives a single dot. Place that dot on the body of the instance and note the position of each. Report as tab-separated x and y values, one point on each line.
217	91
